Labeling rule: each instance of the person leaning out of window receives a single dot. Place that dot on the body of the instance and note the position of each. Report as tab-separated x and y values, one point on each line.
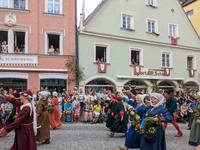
4	48
51	50
16	49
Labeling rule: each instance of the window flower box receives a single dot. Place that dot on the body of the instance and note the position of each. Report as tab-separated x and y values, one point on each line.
156	33
129	29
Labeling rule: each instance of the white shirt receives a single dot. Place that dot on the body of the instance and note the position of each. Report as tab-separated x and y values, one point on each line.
59	99
93	97
87	97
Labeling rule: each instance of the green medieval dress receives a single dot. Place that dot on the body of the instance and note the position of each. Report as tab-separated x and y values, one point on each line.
120	126
195	128
112	107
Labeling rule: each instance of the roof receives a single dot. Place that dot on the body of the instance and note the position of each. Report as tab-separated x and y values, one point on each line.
187	2
96	10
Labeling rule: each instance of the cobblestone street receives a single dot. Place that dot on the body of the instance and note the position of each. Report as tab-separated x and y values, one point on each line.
93	137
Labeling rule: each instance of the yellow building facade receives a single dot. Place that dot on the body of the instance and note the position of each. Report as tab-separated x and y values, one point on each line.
192	9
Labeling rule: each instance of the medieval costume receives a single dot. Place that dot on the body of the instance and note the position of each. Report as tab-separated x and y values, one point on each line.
120	124
111	114
155	109
195	128
24	125
133	138
43	133
54	118
171	107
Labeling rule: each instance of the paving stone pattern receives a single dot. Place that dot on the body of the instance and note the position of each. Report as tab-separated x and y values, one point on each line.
81	136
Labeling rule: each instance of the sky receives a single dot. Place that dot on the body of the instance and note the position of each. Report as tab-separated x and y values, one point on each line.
90	5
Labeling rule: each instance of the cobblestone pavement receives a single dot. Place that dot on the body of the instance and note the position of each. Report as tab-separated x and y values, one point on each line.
93	137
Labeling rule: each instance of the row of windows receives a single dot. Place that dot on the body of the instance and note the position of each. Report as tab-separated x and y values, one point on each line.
102	55
52	6
152	25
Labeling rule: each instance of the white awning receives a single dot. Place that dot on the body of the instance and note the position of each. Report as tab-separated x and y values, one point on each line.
155	78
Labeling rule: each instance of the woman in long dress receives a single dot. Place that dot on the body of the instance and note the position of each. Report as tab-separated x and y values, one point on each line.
43	133
54	118
195	128
120	125
133	138
156	108
24	124
112	110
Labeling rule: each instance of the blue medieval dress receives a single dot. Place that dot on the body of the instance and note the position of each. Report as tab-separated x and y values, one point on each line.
160	143
133	138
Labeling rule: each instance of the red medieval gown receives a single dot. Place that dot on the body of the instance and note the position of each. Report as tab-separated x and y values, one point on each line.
23	125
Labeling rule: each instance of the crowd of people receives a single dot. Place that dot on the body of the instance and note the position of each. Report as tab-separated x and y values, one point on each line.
32	114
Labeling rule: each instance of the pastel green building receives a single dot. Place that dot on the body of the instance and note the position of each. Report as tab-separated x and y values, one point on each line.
156	34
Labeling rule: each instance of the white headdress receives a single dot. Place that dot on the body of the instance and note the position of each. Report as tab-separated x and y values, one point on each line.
159	97
55	94
43	94
142	97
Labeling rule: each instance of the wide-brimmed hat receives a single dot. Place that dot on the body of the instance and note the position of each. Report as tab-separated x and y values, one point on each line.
137	88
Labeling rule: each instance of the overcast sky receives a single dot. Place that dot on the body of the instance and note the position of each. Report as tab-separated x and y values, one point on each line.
89	7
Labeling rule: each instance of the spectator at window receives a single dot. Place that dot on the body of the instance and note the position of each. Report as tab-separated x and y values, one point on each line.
133	62
21	48
51	50
68	109
0	46
98	61
97	109
137	63
88	110
102	60
16	49
7	110
57	51
4	47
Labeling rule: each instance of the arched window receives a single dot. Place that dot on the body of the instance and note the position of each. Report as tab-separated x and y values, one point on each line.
135	83
191	85
166	84
100	84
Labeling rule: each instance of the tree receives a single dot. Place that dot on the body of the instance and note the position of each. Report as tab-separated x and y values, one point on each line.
154	82
74	69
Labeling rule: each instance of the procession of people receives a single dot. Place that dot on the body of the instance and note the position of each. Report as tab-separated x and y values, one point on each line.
33	116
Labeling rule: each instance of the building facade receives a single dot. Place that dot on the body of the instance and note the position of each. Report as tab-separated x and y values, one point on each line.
36	38
191	8
157	35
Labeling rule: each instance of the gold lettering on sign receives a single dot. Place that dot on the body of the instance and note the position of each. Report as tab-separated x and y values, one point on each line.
153	72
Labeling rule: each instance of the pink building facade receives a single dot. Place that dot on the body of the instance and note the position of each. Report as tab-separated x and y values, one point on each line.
36	38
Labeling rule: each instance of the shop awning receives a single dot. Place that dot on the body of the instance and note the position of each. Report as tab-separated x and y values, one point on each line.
148	78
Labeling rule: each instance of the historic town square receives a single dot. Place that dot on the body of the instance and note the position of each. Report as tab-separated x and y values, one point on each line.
99	75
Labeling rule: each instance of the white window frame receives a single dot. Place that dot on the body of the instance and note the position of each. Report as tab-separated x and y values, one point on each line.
170	57
107	51
61	41
141	54
26	39
61	7
26	6
154	3
1	4
127	15
194	60
156	24
177	30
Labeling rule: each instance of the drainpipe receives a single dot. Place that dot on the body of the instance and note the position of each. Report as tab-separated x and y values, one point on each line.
76	34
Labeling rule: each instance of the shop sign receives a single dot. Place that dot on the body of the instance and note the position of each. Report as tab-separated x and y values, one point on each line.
151	72
16	59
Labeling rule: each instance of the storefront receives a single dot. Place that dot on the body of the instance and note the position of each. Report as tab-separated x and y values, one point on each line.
100	84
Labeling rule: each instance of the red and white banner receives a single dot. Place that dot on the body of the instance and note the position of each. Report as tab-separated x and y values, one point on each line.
192	73
102	68
137	70
167	71
174	41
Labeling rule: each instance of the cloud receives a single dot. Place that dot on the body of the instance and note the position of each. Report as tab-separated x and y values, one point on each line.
90	5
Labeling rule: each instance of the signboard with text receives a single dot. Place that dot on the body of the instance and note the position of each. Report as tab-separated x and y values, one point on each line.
151	72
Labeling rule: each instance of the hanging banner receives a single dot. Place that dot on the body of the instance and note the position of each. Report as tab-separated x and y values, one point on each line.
167	71
137	70
192	73
102	68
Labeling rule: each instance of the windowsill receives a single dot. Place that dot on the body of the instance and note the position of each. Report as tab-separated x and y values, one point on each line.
157	34
151	6
167	67
127	29
53	14
14	9
19	52
102	63
135	65
191	69
52	54
176	37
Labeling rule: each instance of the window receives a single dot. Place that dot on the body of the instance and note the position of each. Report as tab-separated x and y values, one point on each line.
166	60
151	27
19	4
53	42
151	2
101	53
173	30
189	13
191	61
4	3
136	56
19	42
127	21
4	41
54	6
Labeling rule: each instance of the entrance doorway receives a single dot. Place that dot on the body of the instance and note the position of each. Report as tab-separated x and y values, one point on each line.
166	85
